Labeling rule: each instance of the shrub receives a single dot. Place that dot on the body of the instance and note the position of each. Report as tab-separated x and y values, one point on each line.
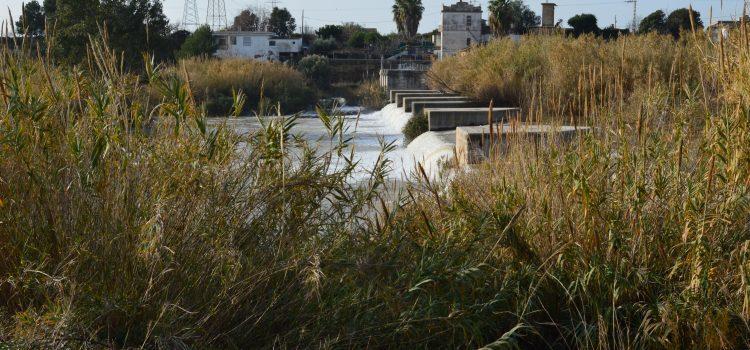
214	80
317	70
324	46
199	44
416	126
371	95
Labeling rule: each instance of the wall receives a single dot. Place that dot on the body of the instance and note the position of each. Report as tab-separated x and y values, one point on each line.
398	79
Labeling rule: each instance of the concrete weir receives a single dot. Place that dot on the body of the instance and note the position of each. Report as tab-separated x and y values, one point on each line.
392	93
473	143
409	101
451	118
400	96
418	107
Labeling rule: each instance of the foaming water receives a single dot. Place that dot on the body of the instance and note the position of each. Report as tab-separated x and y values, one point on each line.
369	131
432	150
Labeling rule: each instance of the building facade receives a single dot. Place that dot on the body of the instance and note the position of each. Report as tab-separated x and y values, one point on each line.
460	28
261	46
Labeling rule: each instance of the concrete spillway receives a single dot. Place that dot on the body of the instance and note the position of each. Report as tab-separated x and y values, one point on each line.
432	150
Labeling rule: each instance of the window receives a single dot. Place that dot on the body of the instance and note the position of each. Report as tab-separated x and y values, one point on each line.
222	42
272	43
233	40
468	21
247	41
468	41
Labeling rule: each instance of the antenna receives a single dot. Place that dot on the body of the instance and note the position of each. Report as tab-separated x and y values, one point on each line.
217	14
190	15
634	25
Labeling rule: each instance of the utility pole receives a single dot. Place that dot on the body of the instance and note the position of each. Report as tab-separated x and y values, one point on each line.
634	25
217	15
190	15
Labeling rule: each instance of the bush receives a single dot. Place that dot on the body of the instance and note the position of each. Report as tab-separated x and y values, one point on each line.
371	95
417	125
214	80
324	46
199	44
317	70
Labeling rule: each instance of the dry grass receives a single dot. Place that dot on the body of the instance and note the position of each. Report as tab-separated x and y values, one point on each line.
129	224
213	82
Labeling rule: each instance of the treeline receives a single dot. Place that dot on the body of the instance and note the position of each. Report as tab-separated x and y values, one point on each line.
130	26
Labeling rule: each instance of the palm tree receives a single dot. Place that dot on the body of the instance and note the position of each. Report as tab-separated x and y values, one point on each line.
407	14
501	16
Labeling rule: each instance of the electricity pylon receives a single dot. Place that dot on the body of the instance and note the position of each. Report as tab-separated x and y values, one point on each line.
216	18
190	18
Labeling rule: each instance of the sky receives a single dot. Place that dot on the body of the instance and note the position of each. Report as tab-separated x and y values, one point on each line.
377	13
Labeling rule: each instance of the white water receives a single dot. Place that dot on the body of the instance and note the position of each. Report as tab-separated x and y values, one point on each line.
429	149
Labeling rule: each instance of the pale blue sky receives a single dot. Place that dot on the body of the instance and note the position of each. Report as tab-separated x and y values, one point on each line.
376	13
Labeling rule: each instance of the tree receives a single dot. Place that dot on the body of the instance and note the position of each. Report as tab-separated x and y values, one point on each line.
75	21
655	22
200	43
679	20
407	14
511	17
246	21
324	46
281	22
50	8
32	20
330	31
316	69
135	27
357	40
584	24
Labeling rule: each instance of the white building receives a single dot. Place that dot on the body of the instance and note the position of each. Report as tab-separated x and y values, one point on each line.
461	27
256	45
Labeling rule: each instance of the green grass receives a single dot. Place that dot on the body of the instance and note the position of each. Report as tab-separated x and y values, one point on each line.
126	222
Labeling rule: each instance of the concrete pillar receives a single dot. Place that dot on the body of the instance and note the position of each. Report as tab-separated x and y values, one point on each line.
548	14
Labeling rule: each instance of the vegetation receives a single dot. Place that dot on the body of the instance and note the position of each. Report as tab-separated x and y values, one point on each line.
371	95
584	24
246	20
683	20
655	22
215	83
323	46
331	31
199	44
281	22
511	17
32	20
131	222
567	72
316	70
407	14
417	125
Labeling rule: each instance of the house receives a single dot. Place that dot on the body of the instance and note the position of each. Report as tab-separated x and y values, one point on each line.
256	45
722	29
461	27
